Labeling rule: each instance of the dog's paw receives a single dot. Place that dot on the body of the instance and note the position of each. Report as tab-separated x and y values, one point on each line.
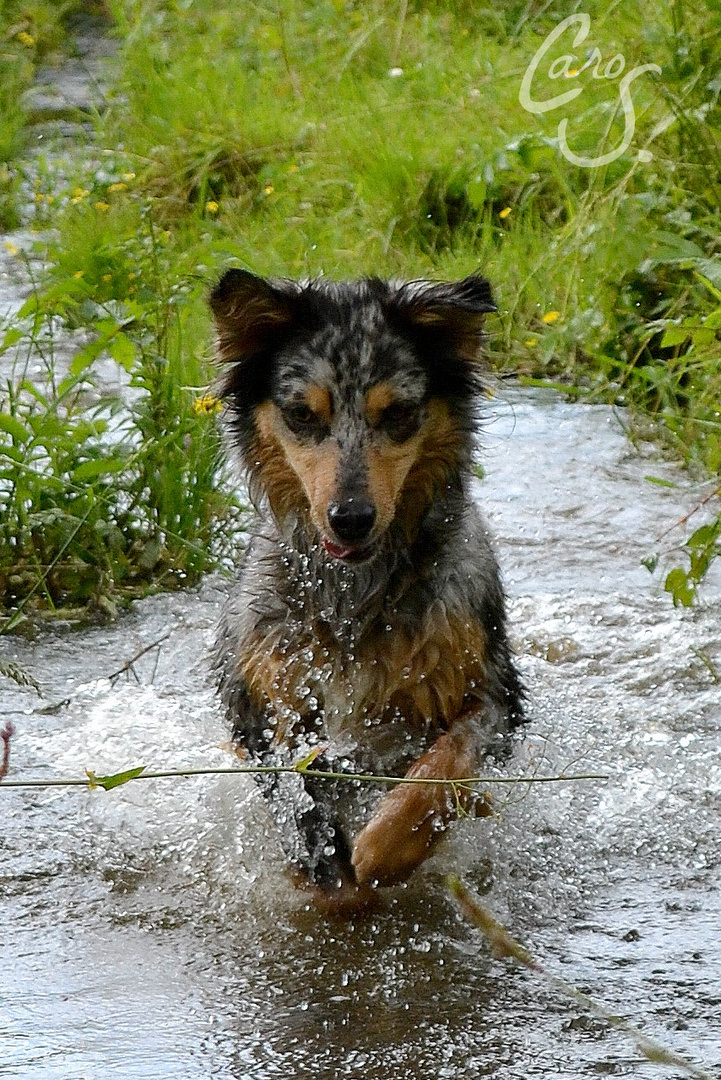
399	835
344	901
412	817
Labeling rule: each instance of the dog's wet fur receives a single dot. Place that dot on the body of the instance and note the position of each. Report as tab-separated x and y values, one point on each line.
368	622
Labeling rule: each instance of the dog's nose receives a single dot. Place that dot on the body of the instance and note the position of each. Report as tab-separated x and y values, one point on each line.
352	520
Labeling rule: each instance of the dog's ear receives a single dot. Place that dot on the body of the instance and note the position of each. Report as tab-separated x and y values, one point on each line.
251	314
454	310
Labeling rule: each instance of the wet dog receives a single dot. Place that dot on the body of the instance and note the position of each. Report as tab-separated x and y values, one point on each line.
368	622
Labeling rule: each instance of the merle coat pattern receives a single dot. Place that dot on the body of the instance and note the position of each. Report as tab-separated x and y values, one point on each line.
368	620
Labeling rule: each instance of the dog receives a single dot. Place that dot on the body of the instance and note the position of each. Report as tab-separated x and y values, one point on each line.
368	623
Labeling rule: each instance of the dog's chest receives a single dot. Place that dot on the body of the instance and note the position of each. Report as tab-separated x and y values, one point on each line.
417	674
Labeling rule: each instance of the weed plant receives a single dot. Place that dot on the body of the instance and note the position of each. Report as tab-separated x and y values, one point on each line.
347	138
111	470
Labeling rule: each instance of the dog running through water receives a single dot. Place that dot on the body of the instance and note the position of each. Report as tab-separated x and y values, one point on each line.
368	621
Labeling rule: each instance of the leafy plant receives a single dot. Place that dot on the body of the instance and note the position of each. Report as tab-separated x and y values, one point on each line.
702	547
109	482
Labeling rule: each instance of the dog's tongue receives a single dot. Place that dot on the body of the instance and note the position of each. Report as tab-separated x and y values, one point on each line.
335	550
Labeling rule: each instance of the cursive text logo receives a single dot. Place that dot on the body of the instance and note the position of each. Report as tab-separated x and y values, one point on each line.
564	65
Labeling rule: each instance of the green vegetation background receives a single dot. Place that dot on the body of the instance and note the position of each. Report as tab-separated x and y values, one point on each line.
345	138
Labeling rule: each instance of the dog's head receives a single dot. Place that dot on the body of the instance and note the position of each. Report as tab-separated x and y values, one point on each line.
351	402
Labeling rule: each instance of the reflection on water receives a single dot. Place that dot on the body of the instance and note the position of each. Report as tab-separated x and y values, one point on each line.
152	931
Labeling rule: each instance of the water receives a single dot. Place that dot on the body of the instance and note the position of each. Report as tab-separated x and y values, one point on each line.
152	931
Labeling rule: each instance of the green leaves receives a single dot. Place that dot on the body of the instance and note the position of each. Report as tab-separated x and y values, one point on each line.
682	590
17	431
110	339
109	483
89	470
699	332
702	548
107	783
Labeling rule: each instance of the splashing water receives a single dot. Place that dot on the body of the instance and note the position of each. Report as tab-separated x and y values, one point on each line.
154	928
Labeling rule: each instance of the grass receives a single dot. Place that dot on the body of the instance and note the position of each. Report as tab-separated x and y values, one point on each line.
108	493
346	138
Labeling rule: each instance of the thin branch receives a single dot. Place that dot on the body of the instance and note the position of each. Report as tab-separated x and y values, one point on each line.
694	509
129	664
318	774
399	33
504	946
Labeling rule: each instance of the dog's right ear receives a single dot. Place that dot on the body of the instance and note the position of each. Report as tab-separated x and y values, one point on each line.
251	314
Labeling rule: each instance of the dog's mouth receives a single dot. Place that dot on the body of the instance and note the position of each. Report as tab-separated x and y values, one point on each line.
348	553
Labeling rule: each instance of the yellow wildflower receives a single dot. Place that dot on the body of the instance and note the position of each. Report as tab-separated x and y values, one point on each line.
206	405
118	187
11	248
26	39
102	206
504	213
107	277
531	341
269	189
78	274
212	206
551	316
128	176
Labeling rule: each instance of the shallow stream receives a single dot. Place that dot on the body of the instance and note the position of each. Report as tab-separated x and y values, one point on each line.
152	931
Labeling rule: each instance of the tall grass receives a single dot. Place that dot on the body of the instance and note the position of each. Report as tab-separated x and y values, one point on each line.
346	138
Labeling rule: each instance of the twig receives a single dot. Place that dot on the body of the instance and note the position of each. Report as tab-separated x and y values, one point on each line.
694	509
504	946
317	774
399	33
129	664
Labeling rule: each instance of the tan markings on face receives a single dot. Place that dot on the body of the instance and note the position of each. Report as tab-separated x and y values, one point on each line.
388	466
294	474
318	401
278	479
403	478
442	446
378	398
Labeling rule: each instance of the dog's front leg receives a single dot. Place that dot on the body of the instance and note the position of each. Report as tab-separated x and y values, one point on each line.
305	808
412	817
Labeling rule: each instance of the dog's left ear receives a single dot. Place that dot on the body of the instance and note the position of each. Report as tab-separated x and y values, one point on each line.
454	309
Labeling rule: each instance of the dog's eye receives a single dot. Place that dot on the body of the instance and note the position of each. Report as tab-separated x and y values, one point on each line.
302	420
400	421
301	414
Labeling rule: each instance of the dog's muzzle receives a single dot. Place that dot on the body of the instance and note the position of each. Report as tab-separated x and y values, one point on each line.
352	523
